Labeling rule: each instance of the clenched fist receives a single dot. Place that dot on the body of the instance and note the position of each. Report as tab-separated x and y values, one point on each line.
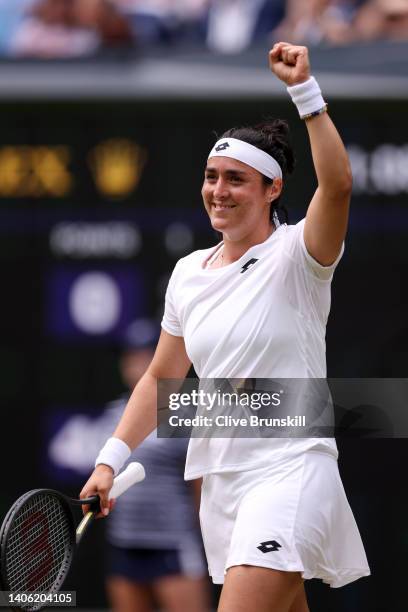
290	63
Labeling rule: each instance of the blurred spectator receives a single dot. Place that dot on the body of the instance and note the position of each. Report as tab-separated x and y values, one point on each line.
162	21
382	19
69	28
233	25
103	17
74	28
343	21
317	21
11	12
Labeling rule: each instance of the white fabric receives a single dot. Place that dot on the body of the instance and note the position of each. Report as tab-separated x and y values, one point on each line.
307	96
248	154
115	453
266	322
298	505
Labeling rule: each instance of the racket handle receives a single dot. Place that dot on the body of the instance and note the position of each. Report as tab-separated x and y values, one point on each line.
131	475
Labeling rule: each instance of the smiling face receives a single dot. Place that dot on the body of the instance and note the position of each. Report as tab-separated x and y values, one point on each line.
237	200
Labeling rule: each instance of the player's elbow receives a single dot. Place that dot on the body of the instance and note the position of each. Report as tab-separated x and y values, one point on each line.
338	184
346	181
339	191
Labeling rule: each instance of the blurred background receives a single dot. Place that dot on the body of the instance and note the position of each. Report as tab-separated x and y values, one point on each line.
108	109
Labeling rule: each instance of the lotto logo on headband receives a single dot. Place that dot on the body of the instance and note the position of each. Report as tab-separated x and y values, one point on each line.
222	147
248	154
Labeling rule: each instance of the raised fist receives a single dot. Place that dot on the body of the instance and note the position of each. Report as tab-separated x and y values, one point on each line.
290	63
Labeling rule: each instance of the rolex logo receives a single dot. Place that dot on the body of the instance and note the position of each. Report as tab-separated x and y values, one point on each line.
117	166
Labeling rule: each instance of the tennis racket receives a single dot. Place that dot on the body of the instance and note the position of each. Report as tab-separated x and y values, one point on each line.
39	536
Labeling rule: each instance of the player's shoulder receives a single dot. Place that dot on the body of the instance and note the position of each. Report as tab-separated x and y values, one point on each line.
282	235
290	228
292	231
197	255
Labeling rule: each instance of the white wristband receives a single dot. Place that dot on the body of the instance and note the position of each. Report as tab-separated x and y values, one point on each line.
115	453
307	96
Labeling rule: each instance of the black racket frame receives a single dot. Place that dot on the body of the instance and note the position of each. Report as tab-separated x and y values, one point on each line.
5	531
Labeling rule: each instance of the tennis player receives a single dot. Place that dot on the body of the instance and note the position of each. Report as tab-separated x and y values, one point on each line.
273	511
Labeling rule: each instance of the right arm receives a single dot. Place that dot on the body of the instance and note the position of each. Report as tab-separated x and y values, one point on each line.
140	416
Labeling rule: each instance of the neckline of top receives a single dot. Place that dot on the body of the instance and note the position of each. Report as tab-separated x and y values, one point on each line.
236	263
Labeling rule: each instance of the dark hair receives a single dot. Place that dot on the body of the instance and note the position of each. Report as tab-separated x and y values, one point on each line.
273	138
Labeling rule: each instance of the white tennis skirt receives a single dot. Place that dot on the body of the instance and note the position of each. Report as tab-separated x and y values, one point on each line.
292	517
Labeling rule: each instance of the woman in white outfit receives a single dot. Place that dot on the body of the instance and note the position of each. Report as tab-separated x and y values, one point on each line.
273	511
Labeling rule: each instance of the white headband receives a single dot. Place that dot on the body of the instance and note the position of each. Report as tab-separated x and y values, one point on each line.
248	154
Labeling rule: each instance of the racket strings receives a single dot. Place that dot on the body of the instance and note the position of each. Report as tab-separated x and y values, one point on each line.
37	544
33	566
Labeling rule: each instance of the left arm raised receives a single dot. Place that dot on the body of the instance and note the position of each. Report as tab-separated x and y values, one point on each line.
327	214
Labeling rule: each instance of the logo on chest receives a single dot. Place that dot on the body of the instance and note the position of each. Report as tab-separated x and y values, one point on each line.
248	264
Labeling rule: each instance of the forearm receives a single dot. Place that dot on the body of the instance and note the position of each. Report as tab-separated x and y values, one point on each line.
140	416
330	157
138	420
